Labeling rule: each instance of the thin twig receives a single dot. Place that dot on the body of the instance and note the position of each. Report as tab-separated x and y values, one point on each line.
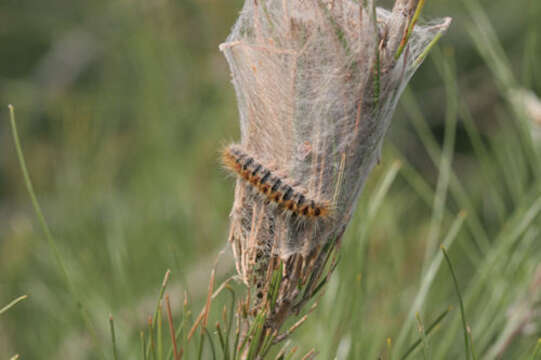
171	328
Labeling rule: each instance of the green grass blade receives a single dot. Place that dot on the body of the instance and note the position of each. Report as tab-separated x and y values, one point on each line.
427	49
37	208
259	323
455	186
422	332
428	279
143	345
462	312
442	187
428	331
231	318
495	261
236	344
158	304
267	342
473	354
491	50
152	340
275	285
383	188
201	346
45	228
225	349
159	334
415	180
113	337
211	342
411	25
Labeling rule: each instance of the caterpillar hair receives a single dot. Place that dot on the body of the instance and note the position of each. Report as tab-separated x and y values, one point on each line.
271	186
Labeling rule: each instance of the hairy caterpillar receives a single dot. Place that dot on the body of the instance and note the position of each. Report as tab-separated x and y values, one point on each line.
271	186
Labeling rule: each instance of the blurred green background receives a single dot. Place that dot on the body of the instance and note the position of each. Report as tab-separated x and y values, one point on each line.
123	107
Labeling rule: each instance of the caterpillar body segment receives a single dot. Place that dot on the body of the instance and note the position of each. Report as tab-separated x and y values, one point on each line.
273	187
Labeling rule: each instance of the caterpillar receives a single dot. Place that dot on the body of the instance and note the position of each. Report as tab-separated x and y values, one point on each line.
271	186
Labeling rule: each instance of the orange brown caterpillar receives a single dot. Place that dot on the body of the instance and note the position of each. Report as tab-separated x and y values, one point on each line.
271	186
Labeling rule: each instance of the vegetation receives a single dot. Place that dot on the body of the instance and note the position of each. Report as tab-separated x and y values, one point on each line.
121	144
